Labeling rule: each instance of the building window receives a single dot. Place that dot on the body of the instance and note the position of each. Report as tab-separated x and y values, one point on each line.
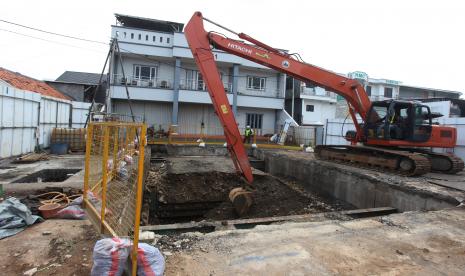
161	39
142	72
256	83
194	80
124	34
310	108
140	36
388	92
254	120
167	40
154	38
147	37
117	33
368	90
132	35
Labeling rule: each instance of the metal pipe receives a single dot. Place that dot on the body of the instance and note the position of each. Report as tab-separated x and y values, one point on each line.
221	26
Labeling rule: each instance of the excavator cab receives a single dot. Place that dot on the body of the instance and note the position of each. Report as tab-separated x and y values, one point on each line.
398	120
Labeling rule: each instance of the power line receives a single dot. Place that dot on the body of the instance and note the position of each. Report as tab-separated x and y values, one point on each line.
52	33
51	41
89	40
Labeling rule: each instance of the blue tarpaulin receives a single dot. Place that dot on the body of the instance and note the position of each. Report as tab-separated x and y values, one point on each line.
15	217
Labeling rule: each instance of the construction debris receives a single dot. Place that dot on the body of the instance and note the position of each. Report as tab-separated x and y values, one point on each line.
31	158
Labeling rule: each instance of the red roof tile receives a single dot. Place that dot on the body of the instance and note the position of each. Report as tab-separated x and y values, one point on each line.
26	83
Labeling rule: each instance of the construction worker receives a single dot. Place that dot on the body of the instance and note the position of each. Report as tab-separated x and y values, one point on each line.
248	134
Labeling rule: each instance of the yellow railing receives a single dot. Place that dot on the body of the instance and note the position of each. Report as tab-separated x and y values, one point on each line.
114	170
213	135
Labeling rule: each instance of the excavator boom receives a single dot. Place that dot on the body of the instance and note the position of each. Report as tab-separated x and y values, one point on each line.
200	46
393	139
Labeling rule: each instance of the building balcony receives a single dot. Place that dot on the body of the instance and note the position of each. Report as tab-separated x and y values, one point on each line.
317	93
199	85
142	82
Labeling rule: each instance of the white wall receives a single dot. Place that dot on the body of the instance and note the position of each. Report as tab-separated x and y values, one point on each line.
124	35
377	91
271	89
154	113
441	107
79	114
165	69
321	112
28	118
54	113
18	121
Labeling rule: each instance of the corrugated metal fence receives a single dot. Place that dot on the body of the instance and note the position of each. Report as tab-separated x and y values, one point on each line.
27	119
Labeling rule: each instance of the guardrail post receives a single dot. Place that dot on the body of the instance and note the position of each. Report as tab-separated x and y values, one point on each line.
106	138
140	176
90	127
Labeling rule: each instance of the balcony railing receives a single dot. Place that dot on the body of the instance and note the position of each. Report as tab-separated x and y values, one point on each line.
186	84
310	91
143	82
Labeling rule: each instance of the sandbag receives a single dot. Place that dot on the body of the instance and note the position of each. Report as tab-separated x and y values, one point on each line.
110	256
71	212
150	262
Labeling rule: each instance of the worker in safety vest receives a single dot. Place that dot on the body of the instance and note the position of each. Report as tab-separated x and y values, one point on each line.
248	134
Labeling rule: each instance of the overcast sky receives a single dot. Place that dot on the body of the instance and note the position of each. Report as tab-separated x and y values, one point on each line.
417	42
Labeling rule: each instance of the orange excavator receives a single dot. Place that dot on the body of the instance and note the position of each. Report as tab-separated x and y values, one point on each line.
391	135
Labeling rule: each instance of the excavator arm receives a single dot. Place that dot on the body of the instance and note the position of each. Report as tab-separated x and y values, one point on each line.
200	46
201	42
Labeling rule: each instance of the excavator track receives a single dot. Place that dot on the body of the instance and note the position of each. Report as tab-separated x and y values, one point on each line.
399	162
447	163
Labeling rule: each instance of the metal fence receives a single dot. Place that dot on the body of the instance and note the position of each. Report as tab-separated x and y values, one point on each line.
113	180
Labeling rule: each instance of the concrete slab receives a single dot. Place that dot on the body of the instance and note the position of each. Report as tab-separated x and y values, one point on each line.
420	243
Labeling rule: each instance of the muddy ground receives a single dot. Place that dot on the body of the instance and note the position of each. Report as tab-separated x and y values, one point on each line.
53	247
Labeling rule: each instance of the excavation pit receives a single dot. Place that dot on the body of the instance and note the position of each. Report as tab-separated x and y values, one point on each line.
186	189
48	175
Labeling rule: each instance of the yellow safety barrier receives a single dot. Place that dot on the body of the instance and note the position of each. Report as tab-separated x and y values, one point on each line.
213	135
114	170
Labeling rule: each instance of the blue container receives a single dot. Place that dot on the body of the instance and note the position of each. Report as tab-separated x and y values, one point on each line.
59	149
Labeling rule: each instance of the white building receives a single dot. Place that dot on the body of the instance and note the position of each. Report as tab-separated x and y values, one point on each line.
312	105
385	89
309	104
165	87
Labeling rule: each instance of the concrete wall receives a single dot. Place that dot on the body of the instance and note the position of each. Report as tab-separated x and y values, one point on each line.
74	91
359	189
